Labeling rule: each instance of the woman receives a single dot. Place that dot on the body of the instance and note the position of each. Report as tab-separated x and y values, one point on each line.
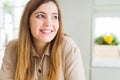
42	51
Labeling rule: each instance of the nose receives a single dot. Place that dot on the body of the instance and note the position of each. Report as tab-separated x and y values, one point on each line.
48	22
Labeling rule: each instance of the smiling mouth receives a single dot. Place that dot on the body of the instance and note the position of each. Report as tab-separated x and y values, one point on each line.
46	31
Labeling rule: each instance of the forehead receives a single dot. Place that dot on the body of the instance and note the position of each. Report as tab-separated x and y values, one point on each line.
49	7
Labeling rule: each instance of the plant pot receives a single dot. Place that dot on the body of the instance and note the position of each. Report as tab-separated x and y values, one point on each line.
106	51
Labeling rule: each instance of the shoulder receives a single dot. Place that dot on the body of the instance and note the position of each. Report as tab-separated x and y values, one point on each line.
68	42
10	54
11	47
9	61
71	60
12	44
69	47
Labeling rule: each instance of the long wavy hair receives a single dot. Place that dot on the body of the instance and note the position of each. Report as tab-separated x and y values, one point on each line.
25	41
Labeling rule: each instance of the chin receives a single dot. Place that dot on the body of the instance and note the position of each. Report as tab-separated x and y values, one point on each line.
47	40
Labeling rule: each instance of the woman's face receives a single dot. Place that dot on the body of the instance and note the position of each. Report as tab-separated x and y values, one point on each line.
44	22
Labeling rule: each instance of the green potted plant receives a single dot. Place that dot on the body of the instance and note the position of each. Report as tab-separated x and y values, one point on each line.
108	39
107	46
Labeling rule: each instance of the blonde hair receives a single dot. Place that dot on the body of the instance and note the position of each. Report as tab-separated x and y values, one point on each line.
23	69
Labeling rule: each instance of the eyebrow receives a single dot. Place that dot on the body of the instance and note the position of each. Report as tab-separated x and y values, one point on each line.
45	13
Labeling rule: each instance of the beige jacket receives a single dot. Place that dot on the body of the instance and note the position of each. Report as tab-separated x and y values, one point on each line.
71	67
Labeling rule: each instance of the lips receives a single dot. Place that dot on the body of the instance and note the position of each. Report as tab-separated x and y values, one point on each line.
47	31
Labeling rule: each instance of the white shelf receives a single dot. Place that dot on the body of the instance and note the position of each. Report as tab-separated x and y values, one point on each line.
106	62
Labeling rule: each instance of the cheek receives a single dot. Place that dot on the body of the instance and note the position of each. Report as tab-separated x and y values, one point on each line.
34	25
33	28
33	32
57	26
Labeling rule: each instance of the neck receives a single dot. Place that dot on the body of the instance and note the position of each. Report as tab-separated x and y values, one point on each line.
39	47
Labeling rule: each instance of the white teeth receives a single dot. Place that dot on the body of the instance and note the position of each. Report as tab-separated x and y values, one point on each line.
46	31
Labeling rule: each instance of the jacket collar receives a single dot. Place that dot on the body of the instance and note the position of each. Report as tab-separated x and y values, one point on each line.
46	52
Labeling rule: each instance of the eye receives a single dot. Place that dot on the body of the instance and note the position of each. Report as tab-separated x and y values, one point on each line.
40	16
55	17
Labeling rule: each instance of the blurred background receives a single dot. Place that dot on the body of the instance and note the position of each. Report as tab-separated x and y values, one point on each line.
10	13
93	24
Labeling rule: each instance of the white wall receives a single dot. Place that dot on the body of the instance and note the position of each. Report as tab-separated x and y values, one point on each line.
77	24
102	73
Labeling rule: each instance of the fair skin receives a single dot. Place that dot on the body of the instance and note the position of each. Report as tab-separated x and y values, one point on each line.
44	25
